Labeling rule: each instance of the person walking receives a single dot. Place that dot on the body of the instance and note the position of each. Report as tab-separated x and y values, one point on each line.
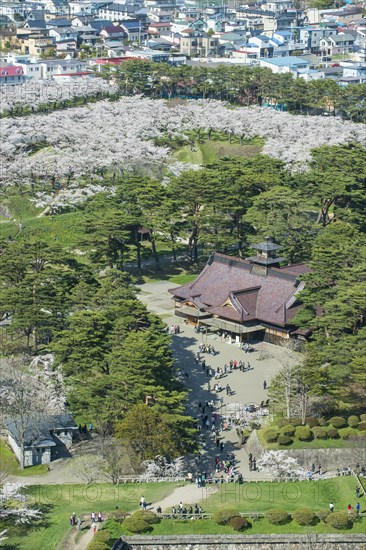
143	502
358	508
100	518
265	385
357	491
78	523
221	446
92	516
331	507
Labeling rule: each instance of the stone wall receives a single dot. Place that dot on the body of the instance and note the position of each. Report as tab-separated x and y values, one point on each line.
330	459
245	542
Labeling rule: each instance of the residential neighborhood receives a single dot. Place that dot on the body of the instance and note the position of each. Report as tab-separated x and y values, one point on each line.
274	34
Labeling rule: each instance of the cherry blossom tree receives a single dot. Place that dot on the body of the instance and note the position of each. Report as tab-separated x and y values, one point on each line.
46	92
13	506
68	156
163	467
280	465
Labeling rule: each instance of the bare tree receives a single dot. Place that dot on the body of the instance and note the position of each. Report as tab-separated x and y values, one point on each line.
118	460
88	468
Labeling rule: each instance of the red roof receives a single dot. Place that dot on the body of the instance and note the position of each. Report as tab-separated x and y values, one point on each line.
11	70
114	60
160	24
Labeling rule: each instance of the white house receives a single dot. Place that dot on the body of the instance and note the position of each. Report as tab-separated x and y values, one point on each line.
353	72
32	68
285	64
278	6
11	74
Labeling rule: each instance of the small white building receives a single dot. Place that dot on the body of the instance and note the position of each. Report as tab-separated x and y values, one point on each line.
288	64
45	438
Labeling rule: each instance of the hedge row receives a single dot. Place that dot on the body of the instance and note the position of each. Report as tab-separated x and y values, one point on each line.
287	434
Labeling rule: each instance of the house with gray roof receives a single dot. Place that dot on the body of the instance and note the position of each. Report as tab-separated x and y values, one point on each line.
44	439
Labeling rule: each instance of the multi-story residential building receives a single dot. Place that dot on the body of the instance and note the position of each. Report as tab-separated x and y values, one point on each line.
310	37
198	44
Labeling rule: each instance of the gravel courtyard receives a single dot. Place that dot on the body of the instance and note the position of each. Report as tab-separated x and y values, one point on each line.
247	387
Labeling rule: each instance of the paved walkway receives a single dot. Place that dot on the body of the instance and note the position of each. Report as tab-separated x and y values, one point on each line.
247	387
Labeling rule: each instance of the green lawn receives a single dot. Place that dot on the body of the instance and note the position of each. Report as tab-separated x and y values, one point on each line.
62	229
10	464
253	497
258	526
183	279
210	151
60	501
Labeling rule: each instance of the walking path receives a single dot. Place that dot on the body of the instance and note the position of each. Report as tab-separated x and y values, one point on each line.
188	494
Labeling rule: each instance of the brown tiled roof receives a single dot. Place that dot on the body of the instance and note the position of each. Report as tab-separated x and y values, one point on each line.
297	269
226	312
268	298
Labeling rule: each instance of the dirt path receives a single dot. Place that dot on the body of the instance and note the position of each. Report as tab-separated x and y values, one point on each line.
84	537
188	494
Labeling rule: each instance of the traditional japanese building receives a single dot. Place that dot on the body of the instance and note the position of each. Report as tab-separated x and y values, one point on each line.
248	299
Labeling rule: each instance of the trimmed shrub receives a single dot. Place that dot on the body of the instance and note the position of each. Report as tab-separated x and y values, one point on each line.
119	515
283	422
277	516
288	430
339	520
353	421
337	421
311	421
322	422
304	516
284	440
303	433
363	417
333	433
222	517
136	525
295	421
239	524
270	436
319	432
147	515
322	514
362	426
99	541
346	433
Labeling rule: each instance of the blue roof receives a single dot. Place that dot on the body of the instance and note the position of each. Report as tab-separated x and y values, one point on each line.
128	24
263	37
283	33
289	61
